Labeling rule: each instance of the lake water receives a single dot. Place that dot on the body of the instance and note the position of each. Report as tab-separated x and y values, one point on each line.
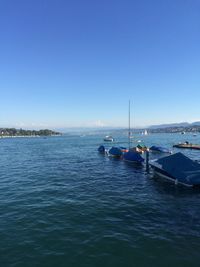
63	204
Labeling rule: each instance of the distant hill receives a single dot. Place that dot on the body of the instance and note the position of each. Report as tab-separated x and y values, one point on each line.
196	123
181	124
162	128
176	129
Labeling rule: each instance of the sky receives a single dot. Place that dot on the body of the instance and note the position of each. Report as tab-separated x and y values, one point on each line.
78	63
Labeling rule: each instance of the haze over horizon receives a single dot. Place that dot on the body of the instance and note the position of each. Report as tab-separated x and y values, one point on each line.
76	64
102	127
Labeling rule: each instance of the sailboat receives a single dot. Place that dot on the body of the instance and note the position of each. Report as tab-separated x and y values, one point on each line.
145	132
132	155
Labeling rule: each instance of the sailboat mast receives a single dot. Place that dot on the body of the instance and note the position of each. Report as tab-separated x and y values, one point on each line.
129	126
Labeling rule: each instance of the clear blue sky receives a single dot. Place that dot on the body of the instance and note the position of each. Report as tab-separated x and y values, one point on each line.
77	63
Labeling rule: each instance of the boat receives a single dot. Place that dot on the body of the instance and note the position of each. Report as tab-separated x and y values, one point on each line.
123	149
187	145
141	148
102	150
115	152
177	168
145	132
159	149
108	138
132	155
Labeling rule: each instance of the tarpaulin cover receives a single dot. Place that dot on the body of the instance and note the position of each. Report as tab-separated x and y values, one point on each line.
181	168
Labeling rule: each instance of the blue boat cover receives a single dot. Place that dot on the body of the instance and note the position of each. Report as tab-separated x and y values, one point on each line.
159	149
115	151
101	149
181	168
133	156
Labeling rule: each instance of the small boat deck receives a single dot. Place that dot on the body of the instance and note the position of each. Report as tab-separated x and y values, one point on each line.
187	145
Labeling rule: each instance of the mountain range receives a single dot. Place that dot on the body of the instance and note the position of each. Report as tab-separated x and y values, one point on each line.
181	124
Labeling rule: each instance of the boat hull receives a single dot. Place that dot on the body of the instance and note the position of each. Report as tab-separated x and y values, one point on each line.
164	175
108	138
187	146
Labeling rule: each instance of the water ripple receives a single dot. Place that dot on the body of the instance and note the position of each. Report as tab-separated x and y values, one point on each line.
62	204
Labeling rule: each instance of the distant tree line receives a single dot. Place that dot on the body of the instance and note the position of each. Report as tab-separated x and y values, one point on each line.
21	132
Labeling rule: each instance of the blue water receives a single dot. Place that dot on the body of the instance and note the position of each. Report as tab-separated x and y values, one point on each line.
63	204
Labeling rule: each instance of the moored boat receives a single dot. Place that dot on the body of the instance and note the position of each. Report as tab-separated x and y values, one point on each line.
123	149
187	145
115	152
132	155
159	149
108	138
102	150
177	168
141	148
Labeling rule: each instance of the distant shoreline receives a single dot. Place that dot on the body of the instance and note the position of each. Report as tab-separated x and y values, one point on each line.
12	133
29	136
